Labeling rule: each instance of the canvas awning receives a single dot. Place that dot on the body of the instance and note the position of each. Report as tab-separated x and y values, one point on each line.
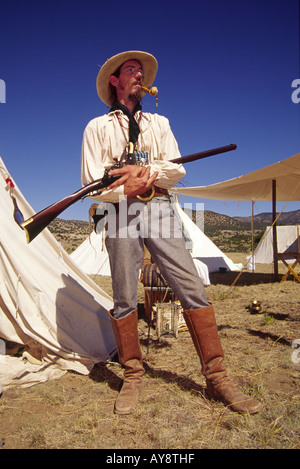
276	182
255	186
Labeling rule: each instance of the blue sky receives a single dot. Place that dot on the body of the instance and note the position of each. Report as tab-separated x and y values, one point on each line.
225	75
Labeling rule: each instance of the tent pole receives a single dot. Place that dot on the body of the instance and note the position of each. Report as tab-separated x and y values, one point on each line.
252	232
275	257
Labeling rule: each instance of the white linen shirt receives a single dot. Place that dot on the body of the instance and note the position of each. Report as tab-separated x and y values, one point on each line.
105	141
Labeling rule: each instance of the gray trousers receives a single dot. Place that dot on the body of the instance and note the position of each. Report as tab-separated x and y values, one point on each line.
152	224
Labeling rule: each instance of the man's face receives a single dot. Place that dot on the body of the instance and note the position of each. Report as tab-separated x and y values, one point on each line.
129	82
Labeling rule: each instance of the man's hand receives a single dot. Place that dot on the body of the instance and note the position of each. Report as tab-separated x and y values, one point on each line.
136	179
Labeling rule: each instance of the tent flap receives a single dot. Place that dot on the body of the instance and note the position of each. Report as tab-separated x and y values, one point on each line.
91	255
287	241
48	304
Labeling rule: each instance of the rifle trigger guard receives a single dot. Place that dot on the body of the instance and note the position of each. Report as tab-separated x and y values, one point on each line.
145	199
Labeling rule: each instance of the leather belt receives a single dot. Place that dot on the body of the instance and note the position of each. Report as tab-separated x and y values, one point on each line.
159	191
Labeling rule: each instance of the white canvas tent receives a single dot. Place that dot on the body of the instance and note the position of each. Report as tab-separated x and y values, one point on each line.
203	249
287	241
47	304
92	256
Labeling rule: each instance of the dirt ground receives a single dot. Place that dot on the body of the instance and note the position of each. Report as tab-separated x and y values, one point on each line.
174	413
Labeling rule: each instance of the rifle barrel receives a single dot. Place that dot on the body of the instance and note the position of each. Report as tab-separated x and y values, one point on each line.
204	154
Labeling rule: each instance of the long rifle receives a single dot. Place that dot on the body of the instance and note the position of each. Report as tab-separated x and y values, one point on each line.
35	224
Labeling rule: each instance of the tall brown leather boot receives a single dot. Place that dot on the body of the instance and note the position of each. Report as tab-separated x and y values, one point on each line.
203	329
130	357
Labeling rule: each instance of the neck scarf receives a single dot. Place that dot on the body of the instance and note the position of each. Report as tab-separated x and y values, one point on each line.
134	129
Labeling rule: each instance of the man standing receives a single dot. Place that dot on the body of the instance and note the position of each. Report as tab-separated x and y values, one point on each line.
122	134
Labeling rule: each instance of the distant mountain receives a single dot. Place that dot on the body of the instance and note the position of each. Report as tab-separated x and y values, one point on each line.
264	219
217	222
223	222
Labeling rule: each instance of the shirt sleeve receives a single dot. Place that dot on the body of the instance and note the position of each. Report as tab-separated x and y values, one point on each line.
95	159
168	173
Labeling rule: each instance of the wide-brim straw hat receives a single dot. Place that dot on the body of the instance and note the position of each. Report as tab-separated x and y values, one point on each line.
147	61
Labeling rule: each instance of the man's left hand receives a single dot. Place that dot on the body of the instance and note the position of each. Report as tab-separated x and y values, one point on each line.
136	179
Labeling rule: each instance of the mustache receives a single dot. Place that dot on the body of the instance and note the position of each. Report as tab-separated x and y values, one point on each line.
135	81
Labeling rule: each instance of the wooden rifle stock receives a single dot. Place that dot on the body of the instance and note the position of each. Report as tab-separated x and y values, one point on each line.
38	222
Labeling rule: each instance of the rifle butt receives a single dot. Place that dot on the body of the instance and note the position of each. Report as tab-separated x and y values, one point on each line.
37	223
24	227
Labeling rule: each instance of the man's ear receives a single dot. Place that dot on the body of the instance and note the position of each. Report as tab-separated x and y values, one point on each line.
113	80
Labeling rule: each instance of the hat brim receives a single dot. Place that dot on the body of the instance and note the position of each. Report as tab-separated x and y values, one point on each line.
147	61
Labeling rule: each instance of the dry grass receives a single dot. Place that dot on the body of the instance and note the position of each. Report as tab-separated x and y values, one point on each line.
174	412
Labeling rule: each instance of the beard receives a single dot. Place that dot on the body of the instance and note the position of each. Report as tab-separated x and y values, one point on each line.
135	97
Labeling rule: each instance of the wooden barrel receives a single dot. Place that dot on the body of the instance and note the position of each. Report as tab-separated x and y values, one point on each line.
151	276
156	289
